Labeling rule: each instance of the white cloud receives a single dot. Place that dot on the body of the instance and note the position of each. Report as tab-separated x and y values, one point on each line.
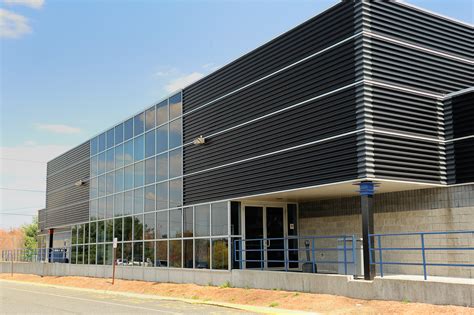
183	81
64	129
13	25
210	66
34	4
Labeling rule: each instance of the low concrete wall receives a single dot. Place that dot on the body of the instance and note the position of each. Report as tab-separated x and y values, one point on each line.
444	291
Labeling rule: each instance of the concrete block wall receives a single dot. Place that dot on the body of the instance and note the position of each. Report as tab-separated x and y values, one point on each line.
424	210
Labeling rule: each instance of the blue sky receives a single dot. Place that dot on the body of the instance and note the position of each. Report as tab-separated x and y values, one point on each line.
77	67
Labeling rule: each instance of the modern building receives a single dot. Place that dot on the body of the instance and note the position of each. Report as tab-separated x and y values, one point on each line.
358	121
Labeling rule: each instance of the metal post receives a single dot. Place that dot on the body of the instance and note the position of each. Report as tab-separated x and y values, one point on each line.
261	254
379	238
366	192
345	256
423	254
113	268
314	256
11	259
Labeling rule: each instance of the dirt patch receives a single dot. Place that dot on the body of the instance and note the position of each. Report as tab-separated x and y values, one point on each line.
321	303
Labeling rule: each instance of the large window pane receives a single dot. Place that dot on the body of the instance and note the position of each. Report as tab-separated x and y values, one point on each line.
94	170
110	178
220	251
119	174
118	229
219	215
92	254
139	148
127	228
94	146
162	224
128	202
102	142
109	230
150	143
80	254
119	157
109	254
93	188
188	253
109	210
175	133
128	152
137	253
128	129
176	193
149	253
86	254
202	220
101	163
101	208
162	113
118	205
110	138
175	105
161	248
150	226
203	253
93	232
188	222
118	253
175	254
80	234
150	171
150	118
100	254
100	231
101	185
138	200
139	174
162	167
118	134
176	163
93	209
86	233
138	228
139	123
127	254
73	254
175	223
162	139
128	175
150	198
162	196
109	159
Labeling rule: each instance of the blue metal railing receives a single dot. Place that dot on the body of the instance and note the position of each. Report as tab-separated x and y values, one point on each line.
423	236
261	254
36	255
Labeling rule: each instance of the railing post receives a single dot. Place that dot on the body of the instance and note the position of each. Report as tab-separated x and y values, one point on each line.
314	255
353	254
345	255
423	254
379	239
286	254
262	255
366	193
241	255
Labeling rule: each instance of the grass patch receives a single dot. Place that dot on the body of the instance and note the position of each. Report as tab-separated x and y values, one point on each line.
273	304
226	284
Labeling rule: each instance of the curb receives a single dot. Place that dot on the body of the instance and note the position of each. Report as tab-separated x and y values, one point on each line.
249	308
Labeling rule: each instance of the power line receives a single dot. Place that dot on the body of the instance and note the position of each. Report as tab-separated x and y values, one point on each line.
19	160
23	208
28	190
21	214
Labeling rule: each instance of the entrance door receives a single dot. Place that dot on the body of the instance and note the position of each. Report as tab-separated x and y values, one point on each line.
264	233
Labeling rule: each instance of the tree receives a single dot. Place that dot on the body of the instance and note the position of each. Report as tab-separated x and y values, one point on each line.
30	234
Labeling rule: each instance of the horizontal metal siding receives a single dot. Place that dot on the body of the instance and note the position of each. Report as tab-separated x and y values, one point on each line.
67	215
69	176
41	219
326	162
400	65
69	158
68	195
407	159
324	73
319	119
322	31
403	112
415	26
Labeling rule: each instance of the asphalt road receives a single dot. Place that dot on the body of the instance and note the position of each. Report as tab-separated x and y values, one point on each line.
24	298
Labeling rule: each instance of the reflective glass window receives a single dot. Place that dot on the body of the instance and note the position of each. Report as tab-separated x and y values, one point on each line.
150	223
93	187
102	142
138	200
175	223
175	105
175	134
128	129
150	198
188	222
119	178
110	138
119	157
188	253
127	254
101	185
109	254
100	254
162	139
162	113
92	254
128	152
73	254
176	193
93	232
128	177
162	224
162	196
110	178
138	253
128	202
150	171
127	228
86	254
150	118
219	215
176	163
100	231
118	133
139	148
139	123
93	146
175	254
162	167
109	230
93	209
138	227
139	174
94	170
203	253
101	163
74	234
161	248
110	160
80	234
109	210
220	254
150	143
149	253
118	229
201	220
118	205
80	254
86	233
101	208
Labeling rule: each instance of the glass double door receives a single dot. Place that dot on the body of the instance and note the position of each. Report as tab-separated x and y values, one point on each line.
264	235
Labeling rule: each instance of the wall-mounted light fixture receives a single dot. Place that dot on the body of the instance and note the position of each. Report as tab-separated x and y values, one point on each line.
80	183
199	140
